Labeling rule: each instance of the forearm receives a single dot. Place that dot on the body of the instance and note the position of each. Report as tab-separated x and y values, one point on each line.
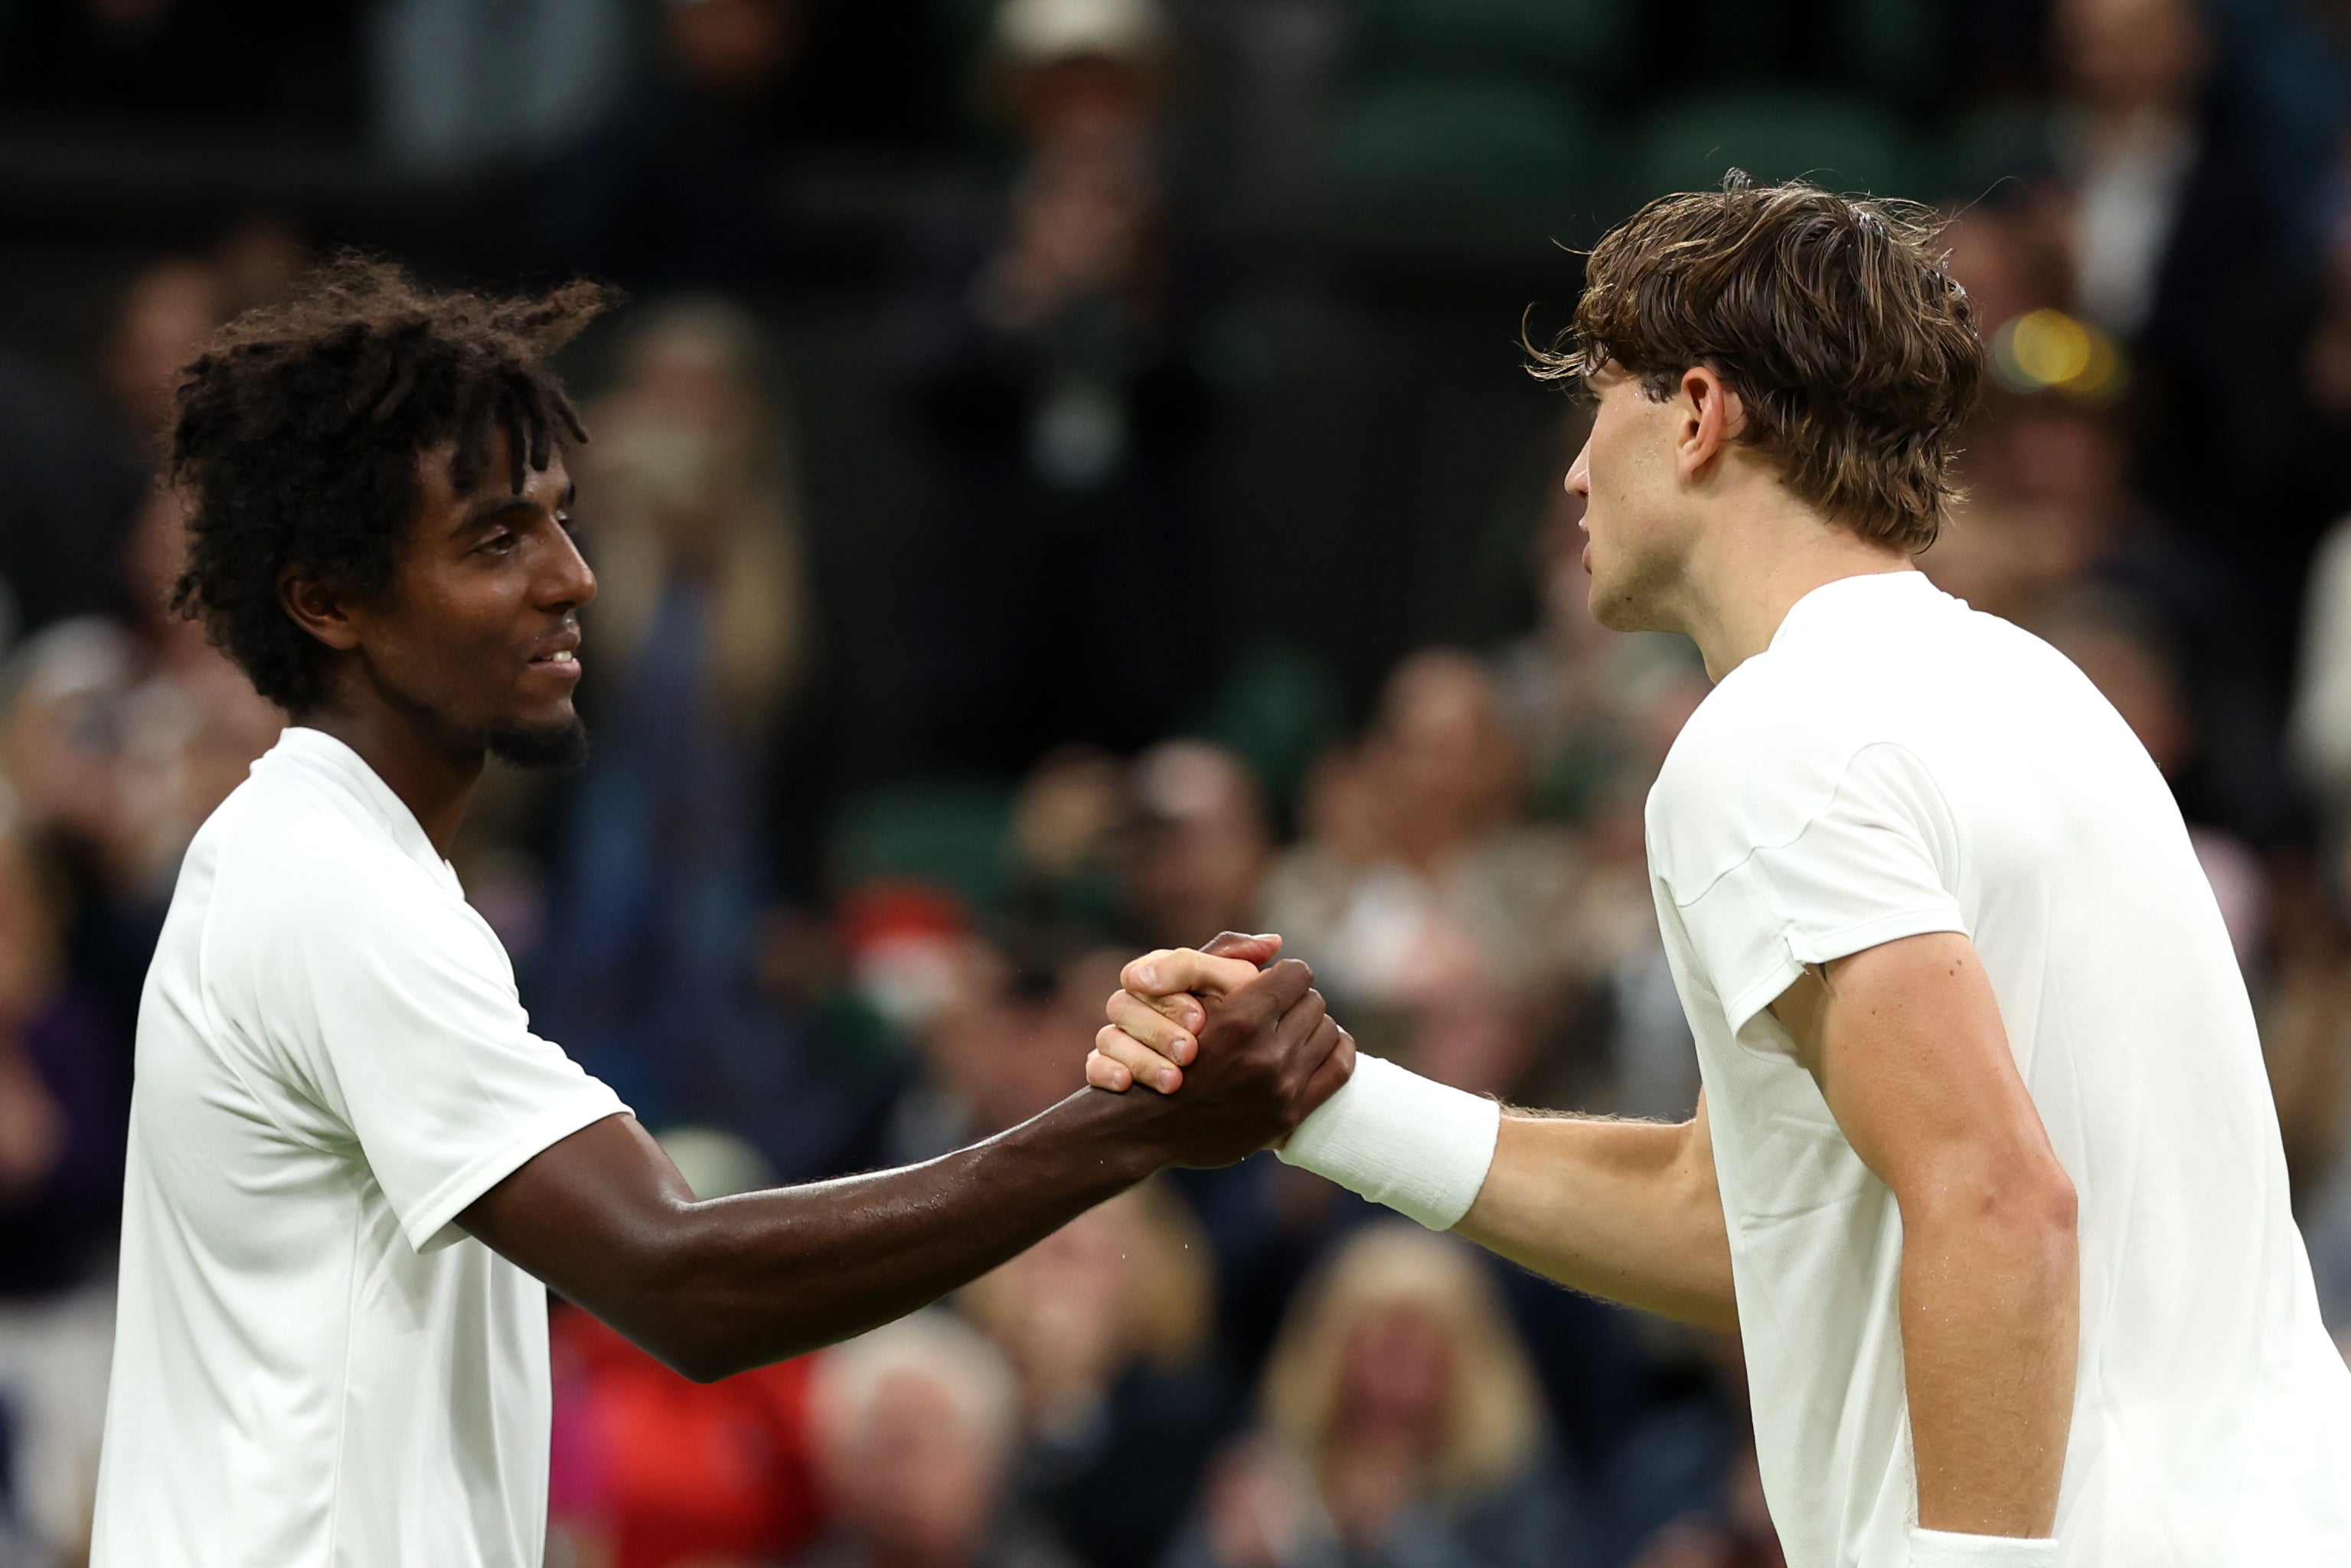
1990	1324
1625	1210
767	1275
714	1287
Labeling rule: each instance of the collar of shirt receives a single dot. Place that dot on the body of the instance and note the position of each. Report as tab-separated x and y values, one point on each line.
1903	591
323	757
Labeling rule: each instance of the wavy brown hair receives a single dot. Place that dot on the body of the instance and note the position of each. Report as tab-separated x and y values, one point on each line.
300	429
1853	352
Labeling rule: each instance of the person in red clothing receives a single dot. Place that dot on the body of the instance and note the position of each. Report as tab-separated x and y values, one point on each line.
650	1470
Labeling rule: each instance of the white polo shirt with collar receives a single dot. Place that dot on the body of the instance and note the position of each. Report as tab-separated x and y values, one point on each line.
314	1365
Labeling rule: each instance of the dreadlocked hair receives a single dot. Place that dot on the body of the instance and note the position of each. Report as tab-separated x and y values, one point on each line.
300	428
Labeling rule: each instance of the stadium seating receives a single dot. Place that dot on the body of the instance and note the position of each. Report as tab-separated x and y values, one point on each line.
1838	141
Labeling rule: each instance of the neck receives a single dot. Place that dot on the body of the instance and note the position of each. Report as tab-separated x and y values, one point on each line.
1743	578
432	780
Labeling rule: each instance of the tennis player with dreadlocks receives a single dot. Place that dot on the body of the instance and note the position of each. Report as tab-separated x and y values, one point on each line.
1985	1172
348	1154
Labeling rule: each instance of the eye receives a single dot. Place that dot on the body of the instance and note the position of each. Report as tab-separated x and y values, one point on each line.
563	520
499	543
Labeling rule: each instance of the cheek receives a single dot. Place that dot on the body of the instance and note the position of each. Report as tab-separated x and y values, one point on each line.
449	637
1625	476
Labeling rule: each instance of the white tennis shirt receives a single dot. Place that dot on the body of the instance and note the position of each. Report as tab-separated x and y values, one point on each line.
1894	764
313	1364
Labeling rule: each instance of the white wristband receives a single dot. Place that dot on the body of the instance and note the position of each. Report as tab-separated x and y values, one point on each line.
1942	1549
1403	1140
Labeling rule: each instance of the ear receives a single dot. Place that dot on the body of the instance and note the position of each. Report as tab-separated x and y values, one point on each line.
1712	417
318	608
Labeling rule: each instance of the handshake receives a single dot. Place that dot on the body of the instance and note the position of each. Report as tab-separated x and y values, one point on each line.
1155	1020
1235	1053
1259	1046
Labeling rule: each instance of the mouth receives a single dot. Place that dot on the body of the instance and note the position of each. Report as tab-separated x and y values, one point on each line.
559	655
1587	558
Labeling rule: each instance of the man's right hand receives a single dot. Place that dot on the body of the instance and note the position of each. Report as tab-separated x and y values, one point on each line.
1268	1054
1156	1016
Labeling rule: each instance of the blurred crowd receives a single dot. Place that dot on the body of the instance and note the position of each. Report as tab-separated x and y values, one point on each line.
793	966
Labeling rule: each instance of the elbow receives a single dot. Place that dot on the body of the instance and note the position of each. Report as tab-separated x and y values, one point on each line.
2045	1203
699	1364
694	1353
683	1341
2063	1205
2028	1197
673	1311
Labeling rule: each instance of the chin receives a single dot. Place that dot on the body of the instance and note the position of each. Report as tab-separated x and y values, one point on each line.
557	746
1617	611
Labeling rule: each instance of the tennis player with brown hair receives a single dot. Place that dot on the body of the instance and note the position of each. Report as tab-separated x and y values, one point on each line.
1986	1170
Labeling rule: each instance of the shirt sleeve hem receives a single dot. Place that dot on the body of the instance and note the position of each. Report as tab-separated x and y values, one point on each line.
1794	956
432	1225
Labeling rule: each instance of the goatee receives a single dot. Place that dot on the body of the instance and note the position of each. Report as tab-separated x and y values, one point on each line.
556	749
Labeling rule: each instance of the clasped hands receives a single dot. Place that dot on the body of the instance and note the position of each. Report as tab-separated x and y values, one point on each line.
1167	1001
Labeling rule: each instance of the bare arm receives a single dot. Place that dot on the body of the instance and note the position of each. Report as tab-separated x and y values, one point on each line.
1627	1210
1907	1042
713	1287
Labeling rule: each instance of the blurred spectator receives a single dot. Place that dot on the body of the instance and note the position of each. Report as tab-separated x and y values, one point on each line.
697	495
1200	844
123	737
1685	1485
117	763
166	314
652	1470
71	492
2012	258
65	1084
2178	250
1051	341
2128	139
1107	1323
702	614
76	476
1011	1039
1419	894
669	190
463	85
258	258
917	1425
1065	821
1401	1427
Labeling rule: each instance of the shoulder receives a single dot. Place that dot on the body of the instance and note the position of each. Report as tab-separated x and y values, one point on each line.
293	871
1775	722
1761	758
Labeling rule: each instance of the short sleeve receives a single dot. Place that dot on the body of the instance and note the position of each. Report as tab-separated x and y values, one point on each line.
1876	863
419	1043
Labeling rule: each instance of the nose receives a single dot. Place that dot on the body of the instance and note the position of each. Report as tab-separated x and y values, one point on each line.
1579	474
568	581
